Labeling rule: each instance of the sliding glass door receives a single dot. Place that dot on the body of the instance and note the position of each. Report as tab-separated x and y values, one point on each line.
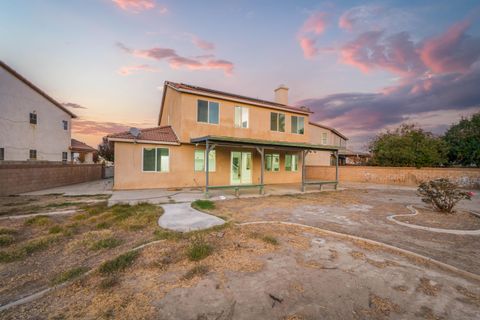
241	168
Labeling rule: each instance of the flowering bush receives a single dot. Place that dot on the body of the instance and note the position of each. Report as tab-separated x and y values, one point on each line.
442	194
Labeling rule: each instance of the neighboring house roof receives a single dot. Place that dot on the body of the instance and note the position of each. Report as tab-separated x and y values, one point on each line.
35	88
328	128
351	153
80	146
182	87
159	135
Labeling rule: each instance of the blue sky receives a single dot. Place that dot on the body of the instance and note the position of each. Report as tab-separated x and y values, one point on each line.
361	66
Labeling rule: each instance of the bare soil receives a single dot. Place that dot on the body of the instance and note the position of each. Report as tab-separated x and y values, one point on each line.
460	220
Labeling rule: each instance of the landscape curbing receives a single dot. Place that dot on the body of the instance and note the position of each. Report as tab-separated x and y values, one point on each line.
439	230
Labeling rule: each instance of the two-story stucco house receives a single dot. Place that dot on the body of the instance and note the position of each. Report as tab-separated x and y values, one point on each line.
213	139
33	126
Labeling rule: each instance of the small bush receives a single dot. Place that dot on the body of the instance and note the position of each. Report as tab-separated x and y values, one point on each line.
203	204
442	194
199	270
6	240
270	240
199	249
55	229
7	231
120	263
107	243
69	275
38	221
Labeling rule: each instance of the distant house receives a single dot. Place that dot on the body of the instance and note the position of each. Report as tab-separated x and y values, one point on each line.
33	126
81	152
214	139
325	135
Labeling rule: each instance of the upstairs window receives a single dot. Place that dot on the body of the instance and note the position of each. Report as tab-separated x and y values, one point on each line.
207	111
33	154
324	138
277	121
291	162
33	118
64	157
272	162
65	124
298	125
241	117
200	161
2	154
156	160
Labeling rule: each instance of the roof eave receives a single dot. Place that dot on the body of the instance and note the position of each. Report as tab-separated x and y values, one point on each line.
143	141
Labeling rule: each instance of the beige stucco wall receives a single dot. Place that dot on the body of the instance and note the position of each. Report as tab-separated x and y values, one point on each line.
181	112
129	175
17	135
318	158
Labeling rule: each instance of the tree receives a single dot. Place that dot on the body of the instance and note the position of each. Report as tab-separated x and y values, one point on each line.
406	146
463	140
106	149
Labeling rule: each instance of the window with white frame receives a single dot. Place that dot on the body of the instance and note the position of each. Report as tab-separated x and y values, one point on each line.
241	117
324	138
207	111
298	125
277	121
272	162
200	160
291	162
33	154
65	124
156	159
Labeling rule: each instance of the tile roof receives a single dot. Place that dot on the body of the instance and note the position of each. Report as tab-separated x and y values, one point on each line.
35	88
200	90
80	146
157	134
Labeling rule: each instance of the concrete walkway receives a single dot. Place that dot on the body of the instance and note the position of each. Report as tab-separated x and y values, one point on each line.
103	186
182	217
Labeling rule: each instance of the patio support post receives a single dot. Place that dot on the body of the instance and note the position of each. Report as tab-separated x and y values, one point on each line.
207	151
304	153
336	169
262	165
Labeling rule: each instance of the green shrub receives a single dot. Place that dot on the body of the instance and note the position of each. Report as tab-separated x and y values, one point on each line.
107	243
6	240
55	229
442	194
38	221
120	263
203	204
199	249
199	270
69	275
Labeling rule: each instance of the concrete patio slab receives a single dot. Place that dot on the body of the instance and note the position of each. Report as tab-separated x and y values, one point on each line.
103	186
182	217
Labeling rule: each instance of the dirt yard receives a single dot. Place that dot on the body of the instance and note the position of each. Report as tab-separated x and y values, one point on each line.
256	271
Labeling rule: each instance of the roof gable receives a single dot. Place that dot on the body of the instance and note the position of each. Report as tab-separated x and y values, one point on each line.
159	135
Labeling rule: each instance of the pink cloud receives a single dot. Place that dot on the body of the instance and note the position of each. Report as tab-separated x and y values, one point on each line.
315	24
127	70
205	62
308	47
202	44
452	51
135	5
313	27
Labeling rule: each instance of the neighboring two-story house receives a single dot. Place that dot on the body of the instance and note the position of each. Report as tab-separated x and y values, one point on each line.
208	138
33	126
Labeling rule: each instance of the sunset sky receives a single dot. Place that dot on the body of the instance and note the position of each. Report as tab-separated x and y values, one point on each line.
362	67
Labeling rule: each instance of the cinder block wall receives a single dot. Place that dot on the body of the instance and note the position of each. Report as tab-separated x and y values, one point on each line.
24	177
465	177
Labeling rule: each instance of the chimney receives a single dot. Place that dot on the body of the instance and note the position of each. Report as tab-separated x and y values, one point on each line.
281	94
